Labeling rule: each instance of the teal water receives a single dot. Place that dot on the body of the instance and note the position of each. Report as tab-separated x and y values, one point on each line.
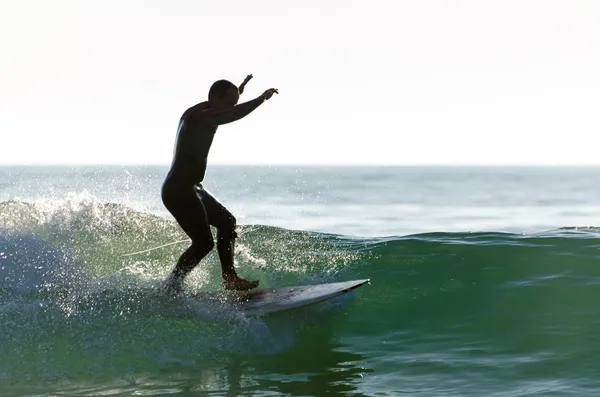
483	282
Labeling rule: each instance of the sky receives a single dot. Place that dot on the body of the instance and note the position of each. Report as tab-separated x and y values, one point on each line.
393	82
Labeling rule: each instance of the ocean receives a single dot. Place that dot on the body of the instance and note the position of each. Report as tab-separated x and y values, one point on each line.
485	281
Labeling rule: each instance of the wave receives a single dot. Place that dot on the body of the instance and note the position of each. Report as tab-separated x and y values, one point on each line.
80	296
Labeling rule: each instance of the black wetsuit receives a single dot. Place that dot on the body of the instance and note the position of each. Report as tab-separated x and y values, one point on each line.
192	206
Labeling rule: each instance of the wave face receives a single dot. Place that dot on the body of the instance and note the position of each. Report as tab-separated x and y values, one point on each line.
445	314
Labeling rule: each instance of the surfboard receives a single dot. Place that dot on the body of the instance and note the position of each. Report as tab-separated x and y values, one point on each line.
270	300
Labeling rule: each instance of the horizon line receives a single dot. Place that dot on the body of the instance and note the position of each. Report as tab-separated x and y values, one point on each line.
304	165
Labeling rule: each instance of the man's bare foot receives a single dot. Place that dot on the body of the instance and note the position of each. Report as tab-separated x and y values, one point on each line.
236	283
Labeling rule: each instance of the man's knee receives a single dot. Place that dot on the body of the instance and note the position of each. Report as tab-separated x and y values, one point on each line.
201	248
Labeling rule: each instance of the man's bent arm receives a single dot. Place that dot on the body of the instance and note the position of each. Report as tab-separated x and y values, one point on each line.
237	112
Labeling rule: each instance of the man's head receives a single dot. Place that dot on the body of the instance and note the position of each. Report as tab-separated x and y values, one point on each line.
223	94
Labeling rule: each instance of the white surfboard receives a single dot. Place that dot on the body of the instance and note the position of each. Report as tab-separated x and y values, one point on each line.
270	300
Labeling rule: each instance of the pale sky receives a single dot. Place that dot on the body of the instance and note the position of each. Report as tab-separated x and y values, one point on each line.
361	82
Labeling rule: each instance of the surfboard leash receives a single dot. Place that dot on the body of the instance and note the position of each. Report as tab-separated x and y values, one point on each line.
155	248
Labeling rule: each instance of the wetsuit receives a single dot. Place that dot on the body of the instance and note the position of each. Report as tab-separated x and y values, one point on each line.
192	206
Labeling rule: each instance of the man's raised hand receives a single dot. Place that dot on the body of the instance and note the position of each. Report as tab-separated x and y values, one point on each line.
246	80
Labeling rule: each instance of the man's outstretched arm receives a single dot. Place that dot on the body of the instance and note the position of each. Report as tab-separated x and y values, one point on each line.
242	110
237	112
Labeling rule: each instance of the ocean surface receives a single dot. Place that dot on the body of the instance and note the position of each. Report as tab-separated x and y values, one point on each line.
484	282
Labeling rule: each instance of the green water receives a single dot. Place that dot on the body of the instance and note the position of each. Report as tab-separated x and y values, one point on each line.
453	314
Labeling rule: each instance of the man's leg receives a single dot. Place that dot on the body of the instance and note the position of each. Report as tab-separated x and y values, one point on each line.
225	222
190	214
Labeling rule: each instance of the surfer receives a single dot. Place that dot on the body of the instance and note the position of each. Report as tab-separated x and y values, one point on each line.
192	206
